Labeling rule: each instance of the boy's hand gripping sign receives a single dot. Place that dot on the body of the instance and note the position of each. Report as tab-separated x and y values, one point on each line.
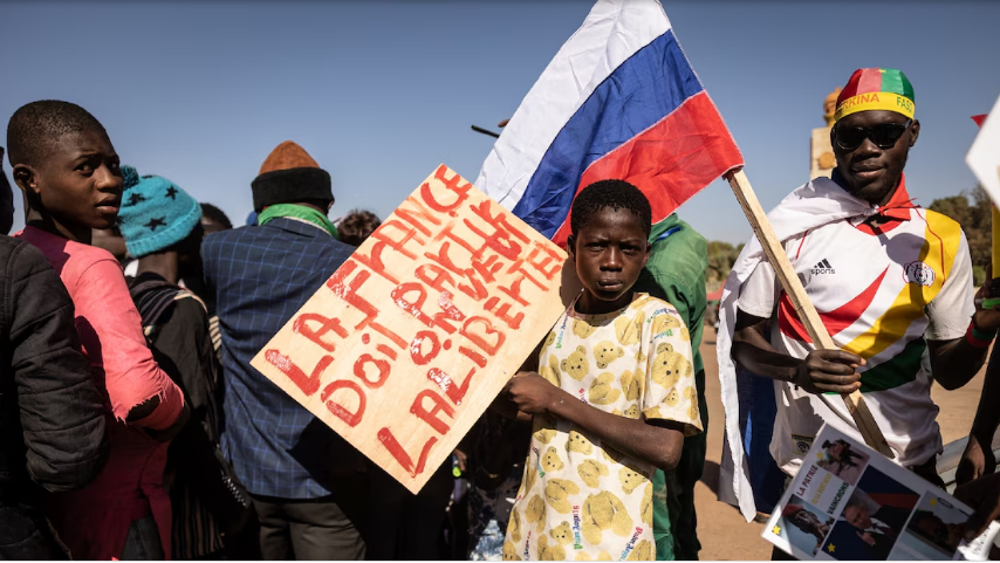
406	345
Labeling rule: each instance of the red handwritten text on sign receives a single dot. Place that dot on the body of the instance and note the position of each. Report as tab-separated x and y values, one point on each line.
412	337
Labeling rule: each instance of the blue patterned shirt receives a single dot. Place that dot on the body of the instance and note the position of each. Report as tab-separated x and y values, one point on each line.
260	276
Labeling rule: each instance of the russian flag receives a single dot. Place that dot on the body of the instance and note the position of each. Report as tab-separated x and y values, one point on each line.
619	100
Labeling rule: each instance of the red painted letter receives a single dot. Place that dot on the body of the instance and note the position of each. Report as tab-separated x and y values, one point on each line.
309	384
349	418
429	416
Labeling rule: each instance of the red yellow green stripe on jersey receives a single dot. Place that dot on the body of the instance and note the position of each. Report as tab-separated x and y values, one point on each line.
941	241
942	238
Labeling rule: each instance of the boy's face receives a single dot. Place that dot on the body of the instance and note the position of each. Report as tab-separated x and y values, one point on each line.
610	252
79	181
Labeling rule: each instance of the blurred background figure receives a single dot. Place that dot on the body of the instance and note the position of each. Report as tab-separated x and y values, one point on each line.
356	226
213	219
6	200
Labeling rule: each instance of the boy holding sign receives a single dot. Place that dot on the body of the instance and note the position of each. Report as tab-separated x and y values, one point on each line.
613	398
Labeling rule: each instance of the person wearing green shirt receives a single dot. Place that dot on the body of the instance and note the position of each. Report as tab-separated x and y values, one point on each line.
675	273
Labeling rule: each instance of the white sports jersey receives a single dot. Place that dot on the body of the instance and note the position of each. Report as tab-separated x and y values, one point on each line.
881	294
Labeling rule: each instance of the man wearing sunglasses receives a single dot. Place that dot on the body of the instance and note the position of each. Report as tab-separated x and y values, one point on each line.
892	282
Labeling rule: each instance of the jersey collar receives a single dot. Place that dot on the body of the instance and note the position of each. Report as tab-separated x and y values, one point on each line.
895	211
899	205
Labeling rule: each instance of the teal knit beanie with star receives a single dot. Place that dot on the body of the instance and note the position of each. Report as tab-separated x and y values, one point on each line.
155	213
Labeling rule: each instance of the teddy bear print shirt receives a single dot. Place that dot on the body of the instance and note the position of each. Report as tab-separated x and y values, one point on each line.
580	499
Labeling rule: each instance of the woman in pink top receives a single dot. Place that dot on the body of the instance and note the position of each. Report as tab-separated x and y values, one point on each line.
64	162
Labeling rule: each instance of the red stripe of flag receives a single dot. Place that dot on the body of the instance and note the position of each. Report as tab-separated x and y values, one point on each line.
671	161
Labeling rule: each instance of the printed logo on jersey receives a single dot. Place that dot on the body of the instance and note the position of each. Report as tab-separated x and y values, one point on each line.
918	272
631	544
823	267
577	544
562	330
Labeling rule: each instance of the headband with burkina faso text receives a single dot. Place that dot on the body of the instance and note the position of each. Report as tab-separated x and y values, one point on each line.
876	89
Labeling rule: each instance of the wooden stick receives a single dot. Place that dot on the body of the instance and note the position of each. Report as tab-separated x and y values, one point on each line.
996	241
996	237
797	294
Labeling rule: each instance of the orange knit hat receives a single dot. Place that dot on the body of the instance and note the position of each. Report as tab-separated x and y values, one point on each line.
290	175
286	156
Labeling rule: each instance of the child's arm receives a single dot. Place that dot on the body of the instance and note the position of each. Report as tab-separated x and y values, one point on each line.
656	441
111	333
669	405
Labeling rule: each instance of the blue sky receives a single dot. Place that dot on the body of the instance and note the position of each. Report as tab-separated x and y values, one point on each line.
381	92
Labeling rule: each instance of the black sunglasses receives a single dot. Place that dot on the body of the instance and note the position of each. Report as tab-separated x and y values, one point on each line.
884	135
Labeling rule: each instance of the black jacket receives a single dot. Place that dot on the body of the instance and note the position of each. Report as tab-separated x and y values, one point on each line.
52	417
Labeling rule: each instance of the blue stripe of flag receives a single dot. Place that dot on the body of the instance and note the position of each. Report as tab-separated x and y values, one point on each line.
644	89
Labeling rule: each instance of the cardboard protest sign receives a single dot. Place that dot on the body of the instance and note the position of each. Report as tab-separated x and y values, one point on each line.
848	503
984	160
984	156
408	342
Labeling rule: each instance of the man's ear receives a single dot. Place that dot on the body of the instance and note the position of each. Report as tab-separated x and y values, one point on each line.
571	247
914	132
26	178
649	250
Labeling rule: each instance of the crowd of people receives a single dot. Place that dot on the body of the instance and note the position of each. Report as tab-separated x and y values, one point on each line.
133	426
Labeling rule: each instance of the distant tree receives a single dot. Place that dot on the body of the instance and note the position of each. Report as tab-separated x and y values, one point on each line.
970	210
973	213
721	257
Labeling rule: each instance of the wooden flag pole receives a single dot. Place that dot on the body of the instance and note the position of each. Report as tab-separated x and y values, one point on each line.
996	237
807	313
994	302
996	241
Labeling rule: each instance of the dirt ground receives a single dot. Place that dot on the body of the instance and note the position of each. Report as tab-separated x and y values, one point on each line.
723	532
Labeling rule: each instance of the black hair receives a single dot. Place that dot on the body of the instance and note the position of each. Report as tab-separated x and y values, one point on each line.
616	194
216	214
35	126
357	226
940	538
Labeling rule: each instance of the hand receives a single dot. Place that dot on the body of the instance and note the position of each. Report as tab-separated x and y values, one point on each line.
532	393
462	460
867	538
987	320
976	461
983	495
829	371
